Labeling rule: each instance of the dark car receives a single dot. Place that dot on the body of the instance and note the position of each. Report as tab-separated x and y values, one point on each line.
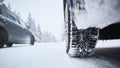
13	29
87	21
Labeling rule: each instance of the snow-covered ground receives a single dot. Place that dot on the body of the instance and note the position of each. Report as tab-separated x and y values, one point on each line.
50	55
108	43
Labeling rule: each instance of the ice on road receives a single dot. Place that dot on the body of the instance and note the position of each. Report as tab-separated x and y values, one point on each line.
48	55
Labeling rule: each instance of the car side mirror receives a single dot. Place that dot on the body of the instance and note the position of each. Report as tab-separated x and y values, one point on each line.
1	0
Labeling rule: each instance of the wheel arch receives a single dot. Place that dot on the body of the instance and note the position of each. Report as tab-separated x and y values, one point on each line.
110	32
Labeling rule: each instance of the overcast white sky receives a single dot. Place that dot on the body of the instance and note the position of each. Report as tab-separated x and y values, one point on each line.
47	13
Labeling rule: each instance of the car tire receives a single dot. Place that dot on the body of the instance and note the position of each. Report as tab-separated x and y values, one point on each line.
79	42
70	34
2	38
9	44
32	40
87	39
1	42
1	45
67	26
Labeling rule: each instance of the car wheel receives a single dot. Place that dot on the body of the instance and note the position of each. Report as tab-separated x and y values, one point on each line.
1	45
79	42
2	40
32	40
9	44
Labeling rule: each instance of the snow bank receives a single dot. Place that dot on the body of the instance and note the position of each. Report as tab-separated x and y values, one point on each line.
108	43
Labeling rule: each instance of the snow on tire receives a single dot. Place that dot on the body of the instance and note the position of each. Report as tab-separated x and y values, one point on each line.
87	41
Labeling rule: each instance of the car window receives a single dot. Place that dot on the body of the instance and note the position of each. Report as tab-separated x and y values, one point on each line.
11	15
21	23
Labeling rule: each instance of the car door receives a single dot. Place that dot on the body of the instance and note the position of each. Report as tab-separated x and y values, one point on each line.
25	34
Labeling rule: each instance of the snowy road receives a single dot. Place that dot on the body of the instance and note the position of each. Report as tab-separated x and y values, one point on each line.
52	55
